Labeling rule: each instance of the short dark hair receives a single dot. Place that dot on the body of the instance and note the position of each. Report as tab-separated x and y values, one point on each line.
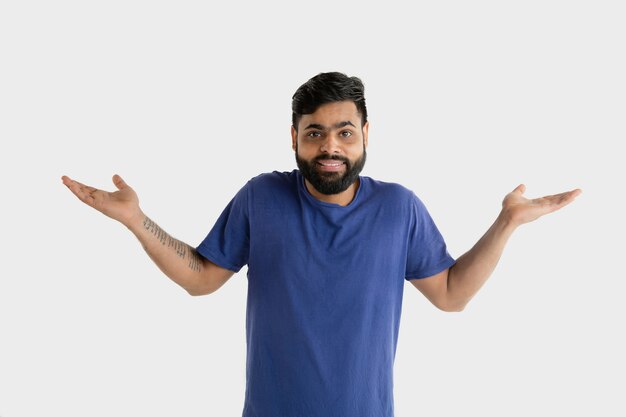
327	87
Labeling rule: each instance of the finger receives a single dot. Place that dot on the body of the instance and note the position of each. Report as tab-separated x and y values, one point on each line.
82	194
520	189
558	201
68	181
576	192
119	182
562	197
82	191
568	197
86	188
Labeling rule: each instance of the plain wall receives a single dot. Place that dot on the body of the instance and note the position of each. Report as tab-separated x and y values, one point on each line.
187	101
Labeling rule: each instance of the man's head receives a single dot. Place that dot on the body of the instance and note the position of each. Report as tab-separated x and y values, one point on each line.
328	87
329	131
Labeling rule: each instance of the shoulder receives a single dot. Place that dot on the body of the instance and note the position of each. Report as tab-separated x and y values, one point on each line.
265	189
388	190
272	182
394	196
273	179
272	186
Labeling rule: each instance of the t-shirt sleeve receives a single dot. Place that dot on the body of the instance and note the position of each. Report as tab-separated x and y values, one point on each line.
427	251
228	242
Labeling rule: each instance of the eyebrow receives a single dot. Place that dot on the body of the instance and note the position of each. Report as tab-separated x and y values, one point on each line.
336	125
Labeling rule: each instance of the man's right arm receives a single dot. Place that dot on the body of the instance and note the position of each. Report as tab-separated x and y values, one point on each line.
179	261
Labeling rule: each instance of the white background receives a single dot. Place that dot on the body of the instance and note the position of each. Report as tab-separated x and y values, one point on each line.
188	100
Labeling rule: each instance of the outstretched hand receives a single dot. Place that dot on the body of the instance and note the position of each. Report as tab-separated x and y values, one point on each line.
520	209
121	205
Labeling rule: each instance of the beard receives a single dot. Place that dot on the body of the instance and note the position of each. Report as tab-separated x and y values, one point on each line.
330	183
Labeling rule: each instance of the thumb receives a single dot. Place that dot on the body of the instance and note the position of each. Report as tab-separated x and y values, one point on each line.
119	182
520	189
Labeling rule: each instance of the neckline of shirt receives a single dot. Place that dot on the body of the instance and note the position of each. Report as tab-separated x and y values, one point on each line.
302	188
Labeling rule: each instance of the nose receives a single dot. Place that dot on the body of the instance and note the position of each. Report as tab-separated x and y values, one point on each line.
330	145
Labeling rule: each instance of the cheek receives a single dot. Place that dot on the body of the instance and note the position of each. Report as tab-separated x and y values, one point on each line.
304	149
356	150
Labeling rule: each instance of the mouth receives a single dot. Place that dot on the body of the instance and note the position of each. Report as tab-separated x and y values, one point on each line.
330	165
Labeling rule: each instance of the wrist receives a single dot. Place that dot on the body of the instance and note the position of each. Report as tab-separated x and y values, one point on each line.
506	222
135	221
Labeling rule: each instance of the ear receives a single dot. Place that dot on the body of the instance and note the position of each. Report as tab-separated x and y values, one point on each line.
365	130
294	138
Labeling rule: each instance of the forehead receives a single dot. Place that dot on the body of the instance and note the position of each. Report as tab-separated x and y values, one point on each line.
331	113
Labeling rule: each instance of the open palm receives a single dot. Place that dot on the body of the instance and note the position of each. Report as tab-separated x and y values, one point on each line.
523	210
121	205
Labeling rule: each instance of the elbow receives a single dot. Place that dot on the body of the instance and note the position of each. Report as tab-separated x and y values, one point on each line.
453	306
197	292
455	309
208	281
199	287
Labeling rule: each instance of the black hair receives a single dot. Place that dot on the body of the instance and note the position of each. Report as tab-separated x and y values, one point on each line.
327	87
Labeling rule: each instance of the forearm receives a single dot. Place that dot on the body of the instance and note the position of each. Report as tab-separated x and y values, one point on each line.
474	267
179	261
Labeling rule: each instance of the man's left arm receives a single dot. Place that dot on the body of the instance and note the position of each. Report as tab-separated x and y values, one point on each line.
453	288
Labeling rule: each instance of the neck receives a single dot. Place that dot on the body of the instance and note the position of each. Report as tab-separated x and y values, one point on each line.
343	198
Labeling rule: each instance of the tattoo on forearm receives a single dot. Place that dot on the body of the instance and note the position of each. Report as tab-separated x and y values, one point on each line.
183	250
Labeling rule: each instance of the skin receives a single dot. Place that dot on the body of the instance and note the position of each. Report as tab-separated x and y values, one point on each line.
453	288
335	128
179	261
450	290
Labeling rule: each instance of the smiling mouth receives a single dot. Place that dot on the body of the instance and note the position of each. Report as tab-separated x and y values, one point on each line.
330	165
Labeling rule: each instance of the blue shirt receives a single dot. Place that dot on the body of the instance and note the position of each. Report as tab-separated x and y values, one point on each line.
325	285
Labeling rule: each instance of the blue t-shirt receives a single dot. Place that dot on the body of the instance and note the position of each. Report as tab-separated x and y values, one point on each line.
325	285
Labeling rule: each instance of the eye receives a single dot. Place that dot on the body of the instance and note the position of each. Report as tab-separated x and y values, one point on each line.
314	134
346	134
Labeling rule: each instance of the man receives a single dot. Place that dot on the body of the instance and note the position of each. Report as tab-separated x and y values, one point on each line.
328	252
